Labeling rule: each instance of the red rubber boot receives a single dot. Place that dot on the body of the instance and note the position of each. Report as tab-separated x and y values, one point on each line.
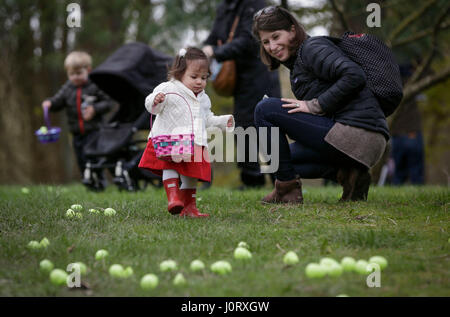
190	206
172	187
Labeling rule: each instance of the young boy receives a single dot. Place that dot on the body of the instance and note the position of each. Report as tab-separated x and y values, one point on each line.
84	102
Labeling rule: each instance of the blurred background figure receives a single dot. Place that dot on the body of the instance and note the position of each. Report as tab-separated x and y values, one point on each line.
85	105
407	150
253	79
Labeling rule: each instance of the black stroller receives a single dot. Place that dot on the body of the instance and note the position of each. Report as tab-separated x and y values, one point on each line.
128	76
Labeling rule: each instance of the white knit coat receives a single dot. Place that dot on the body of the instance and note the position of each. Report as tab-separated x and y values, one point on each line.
174	116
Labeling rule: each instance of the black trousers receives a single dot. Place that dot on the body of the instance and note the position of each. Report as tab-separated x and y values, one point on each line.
250	172
79	141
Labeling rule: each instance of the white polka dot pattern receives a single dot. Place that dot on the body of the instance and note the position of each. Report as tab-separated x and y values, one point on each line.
379	65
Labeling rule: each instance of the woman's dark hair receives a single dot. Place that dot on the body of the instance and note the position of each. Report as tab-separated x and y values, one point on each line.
179	66
272	19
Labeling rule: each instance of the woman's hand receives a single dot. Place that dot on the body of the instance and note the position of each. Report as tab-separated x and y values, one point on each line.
208	50
158	98
297	105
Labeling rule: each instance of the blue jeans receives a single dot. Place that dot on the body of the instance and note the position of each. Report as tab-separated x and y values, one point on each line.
310	156
408	155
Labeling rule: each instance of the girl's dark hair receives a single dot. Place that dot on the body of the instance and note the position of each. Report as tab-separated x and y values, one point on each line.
179	66
272	19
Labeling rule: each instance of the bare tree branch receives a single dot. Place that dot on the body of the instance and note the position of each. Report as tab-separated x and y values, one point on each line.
432	53
419	35
363	9
408	20
414	88
340	14
411	90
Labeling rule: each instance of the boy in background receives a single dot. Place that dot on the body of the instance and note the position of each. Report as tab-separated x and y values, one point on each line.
84	102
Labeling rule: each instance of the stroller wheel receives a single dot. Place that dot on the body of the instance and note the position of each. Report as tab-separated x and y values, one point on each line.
93	183
134	186
125	182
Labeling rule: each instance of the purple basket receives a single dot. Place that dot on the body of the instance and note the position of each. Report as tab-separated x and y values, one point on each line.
52	133
174	147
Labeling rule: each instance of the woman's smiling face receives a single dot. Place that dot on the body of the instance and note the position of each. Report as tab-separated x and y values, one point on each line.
277	43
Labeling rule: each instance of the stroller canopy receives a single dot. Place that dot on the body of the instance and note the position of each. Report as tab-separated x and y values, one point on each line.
129	75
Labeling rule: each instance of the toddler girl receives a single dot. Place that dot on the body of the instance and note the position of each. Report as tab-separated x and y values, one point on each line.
170	100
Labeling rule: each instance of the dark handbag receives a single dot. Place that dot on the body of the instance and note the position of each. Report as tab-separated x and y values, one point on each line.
225	80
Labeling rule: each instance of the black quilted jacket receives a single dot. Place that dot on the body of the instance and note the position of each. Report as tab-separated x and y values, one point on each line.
321	70
66	97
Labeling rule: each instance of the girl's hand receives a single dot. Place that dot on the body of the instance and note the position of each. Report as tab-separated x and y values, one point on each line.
297	105
230	122
159	98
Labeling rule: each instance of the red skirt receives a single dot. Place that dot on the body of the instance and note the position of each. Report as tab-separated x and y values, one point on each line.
200	170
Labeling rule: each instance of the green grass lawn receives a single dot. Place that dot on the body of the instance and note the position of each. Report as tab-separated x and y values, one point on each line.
409	226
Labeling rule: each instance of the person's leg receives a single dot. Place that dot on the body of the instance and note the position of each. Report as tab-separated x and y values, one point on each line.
168	174
355	181
332	165
398	155
353	176
188	182
250	172
307	130
188	192
270	114
171	182
78	144
99	172
415	159
311	164
89	175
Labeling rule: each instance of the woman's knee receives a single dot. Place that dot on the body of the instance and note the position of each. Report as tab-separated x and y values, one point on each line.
265	107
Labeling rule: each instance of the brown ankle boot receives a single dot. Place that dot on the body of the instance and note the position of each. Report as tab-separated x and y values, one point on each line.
362	184
355	183
342	179
285	192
